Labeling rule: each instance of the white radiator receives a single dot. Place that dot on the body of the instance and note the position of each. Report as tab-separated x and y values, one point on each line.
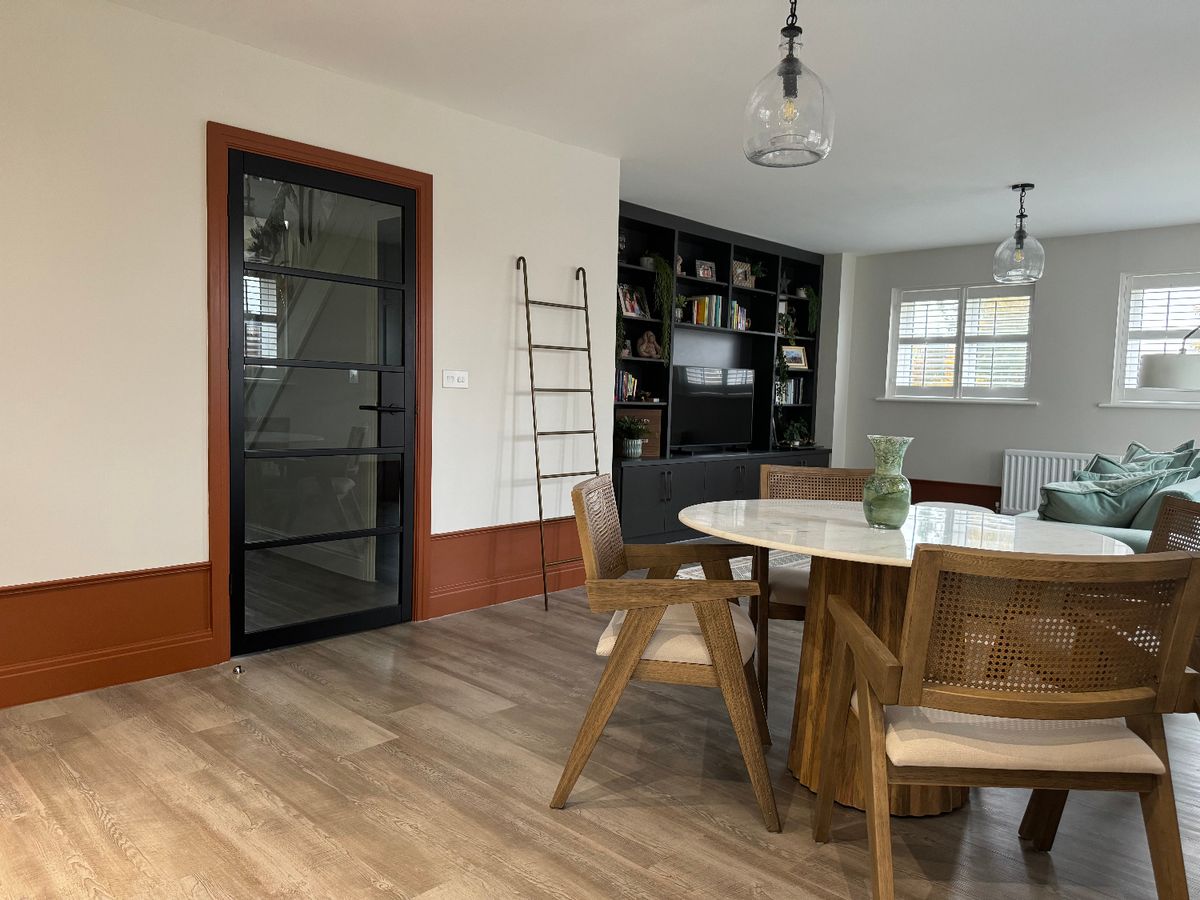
1025	471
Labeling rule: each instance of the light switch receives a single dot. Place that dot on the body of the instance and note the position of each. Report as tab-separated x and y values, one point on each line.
454	378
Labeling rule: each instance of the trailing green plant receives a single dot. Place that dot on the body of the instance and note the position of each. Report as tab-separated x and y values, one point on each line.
627	428
787	330
814	309
664	300
758	270
620	332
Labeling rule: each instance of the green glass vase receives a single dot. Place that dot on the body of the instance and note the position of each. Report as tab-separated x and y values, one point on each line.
887	494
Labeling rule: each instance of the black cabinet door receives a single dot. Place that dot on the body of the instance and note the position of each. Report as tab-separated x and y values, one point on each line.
685	487
643	501
723	480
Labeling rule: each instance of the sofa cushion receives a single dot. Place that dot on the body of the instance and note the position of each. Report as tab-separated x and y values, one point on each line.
1106	464
1113	502
1148	514
1136	539
1185	454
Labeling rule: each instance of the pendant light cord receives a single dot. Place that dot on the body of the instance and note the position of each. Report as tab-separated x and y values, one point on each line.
791	19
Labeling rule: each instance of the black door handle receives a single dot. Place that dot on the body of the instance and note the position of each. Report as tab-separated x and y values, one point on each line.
670	485
662	486
383	409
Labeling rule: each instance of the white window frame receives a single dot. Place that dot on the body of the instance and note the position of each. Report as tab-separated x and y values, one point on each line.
956	393
1135	396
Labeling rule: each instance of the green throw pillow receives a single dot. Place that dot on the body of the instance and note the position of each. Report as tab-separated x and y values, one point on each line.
1105	464
1148	514
1138	450
1112	502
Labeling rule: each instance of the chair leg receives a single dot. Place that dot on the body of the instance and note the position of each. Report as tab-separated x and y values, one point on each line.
875	787
757	701
1158	812
1042	815
635	634
717	626
762	617
837	711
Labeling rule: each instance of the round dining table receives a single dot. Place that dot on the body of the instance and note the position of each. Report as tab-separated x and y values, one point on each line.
869	567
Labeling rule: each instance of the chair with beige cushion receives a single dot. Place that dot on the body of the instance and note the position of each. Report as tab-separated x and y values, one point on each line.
1018	670
1178	528
787	586
663	629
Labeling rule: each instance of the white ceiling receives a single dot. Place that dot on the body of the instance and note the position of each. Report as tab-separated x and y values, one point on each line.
940	104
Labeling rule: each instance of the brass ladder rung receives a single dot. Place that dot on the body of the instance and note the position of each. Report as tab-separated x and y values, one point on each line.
534	390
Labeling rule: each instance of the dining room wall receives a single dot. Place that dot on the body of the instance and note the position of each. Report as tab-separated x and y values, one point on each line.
1074	323
103	347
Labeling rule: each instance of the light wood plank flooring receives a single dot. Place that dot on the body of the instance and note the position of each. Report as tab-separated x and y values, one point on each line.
419	760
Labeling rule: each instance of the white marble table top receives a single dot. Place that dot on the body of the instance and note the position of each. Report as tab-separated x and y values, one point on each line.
837	529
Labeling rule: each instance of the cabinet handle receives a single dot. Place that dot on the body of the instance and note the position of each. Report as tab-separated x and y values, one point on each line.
670	485
662	487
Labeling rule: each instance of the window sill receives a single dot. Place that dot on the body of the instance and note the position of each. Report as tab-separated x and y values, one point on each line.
961	401
1147	404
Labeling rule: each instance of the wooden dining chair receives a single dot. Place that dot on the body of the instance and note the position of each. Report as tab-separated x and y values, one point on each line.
675	631
1178	528
1014	671
786	587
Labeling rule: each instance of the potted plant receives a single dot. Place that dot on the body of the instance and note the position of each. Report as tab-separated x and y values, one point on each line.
630	432
796	434
757	271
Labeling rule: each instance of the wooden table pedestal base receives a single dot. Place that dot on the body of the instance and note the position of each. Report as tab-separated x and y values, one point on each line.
878	594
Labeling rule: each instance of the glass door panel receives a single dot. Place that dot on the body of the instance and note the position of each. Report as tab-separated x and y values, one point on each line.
299	226
291	408
304	583
291	318
288	496
321	409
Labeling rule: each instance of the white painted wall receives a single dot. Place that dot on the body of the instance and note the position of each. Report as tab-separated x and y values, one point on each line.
102	298
1074	334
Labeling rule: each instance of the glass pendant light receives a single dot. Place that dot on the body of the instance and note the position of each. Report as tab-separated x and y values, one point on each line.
1020	259
789	119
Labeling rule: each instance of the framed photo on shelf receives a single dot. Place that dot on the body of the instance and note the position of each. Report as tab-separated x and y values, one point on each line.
706	270
632	301
795	358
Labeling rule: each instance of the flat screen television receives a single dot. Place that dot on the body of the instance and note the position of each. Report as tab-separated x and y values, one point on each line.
711	407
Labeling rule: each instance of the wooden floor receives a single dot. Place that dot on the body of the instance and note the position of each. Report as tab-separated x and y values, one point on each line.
418	761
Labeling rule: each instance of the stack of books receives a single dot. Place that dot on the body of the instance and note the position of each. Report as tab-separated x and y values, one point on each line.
739	316
707	309
792	391
626	387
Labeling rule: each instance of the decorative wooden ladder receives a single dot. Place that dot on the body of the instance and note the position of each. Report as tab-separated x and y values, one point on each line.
535	390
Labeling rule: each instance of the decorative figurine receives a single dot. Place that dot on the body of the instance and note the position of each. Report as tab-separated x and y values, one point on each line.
647	346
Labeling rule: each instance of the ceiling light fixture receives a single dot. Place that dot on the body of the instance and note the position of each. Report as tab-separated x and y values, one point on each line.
789	119
1020	259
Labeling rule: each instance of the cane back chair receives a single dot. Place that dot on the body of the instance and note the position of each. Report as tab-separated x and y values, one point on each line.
1013	671
677	631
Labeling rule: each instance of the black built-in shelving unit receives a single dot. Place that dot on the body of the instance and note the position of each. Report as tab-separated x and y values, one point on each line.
787	271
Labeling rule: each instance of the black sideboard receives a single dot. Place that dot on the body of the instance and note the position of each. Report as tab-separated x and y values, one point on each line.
651	492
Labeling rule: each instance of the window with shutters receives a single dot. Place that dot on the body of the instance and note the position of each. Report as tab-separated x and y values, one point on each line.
1156	313
262	318
957	343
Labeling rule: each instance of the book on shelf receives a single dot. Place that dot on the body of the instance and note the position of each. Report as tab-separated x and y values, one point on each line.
707	309
625	388
793	391
739	316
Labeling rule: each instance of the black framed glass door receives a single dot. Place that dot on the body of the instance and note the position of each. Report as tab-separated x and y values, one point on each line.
322	327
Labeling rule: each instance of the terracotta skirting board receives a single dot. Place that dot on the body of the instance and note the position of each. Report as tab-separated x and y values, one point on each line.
485	566
61	637
985	495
